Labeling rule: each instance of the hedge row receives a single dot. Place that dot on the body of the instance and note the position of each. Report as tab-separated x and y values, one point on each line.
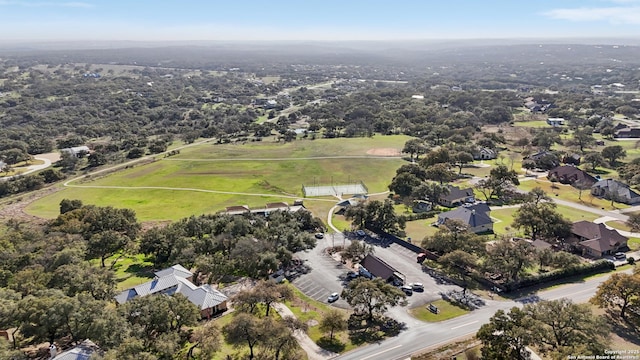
419	216
582	269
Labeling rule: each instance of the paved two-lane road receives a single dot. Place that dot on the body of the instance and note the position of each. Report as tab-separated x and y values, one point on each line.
425	335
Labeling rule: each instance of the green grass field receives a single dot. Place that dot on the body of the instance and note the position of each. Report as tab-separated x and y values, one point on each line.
189	183
504	218
446	311
569	193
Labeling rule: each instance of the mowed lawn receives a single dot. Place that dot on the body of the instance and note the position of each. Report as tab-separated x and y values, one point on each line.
569	193
503	218
296	149
191	180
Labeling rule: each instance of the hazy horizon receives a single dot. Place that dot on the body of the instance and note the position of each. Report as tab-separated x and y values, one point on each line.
28	21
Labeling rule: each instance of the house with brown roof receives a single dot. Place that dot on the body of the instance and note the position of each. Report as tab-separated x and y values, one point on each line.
543	160
379	268
596	240
572	175
457	196
571	159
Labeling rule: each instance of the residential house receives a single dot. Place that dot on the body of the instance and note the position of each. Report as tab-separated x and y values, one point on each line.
537	106
555	122
571	159
572	175
595	240
627	133
457	196
543	160
484	153
615	190
77	151
421	206
265	103
82	351
177	280
477	216
378	268
620	126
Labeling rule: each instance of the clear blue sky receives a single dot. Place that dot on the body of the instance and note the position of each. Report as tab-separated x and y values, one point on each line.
315	19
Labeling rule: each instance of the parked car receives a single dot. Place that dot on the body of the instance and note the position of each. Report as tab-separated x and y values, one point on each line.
352	275
361	233
333	297
417	286
620	255
406	289
319	236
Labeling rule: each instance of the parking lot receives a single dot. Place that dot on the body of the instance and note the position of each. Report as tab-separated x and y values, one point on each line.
404	260
327	274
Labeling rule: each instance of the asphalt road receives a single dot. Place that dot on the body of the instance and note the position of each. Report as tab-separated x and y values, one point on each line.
425	335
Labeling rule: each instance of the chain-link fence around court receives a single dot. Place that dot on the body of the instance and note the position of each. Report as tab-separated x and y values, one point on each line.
335	190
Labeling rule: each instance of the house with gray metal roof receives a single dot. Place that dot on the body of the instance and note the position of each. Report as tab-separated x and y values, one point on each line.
177	279
77	151
615	190
82	351
456	196
477	216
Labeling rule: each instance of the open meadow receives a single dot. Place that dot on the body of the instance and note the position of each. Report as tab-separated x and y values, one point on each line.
209	177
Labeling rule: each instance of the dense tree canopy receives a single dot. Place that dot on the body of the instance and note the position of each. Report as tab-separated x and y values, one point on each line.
557	328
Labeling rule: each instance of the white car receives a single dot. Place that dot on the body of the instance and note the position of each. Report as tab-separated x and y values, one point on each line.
333	297
417	286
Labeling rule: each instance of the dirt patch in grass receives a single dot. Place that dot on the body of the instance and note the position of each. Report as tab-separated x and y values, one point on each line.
52	156
384	152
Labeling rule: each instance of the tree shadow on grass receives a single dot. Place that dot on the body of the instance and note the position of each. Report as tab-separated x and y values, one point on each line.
361	330
625	329
140	269
334	344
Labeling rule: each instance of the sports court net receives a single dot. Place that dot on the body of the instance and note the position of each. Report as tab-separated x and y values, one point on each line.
335	190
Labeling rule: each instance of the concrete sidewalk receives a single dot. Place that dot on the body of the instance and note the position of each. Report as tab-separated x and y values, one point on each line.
314	352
